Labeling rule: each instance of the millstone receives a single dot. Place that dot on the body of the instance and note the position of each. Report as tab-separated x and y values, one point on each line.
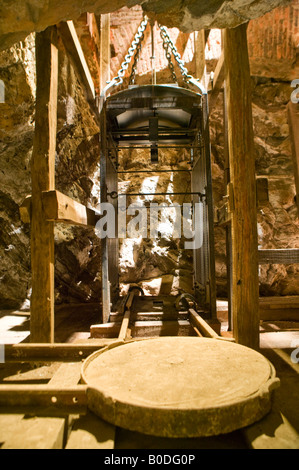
179	386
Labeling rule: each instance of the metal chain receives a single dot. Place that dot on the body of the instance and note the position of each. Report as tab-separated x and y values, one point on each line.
136	59
167	40
166	47
124	66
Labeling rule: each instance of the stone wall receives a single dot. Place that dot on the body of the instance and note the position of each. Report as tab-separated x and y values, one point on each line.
160	265
77	262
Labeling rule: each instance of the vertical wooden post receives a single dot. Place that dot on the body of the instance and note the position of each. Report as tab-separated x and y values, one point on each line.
104	50
43	179
200	59
245	286
104	242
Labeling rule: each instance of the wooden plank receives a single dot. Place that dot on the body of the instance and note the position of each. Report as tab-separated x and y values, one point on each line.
105	330
124	325
68	375
203	327
218	81
200	59
91	432
73	47
245	285
43	176
293	117
60	208
104	50
43	399
279	256
31	432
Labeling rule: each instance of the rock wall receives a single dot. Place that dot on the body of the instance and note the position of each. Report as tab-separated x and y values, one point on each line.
20	18
278	223
157	265
77	263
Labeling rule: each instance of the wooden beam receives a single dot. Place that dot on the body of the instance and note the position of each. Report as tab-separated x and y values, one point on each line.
293	116
202	325
104	50
60	208
43	176
279	256
43	398
218	81
200	59
57	352
73	47
245	285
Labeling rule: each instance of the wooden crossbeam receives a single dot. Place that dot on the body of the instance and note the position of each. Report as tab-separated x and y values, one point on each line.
56	352
43	398
60	208
57	207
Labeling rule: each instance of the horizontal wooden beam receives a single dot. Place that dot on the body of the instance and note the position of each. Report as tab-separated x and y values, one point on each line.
58	207
61	208
279	256
54	352
43	399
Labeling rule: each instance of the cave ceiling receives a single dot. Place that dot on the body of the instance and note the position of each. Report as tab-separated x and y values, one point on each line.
18	18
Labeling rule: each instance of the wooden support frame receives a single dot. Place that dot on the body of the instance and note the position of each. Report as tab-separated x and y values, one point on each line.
43	179
46	205
245	285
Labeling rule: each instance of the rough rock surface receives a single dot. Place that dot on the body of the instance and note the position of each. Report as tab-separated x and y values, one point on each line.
278	223
76	272
157	265
19	18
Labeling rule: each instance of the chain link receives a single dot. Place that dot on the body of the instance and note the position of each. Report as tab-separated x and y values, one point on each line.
136	59
166	40
134	47
166	47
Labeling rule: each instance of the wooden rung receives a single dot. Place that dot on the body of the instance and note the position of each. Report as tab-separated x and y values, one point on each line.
202	325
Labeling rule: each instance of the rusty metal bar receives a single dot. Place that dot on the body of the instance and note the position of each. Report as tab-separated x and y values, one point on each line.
43	399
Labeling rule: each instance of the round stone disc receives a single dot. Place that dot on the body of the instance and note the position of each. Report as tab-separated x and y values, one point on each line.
179	386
